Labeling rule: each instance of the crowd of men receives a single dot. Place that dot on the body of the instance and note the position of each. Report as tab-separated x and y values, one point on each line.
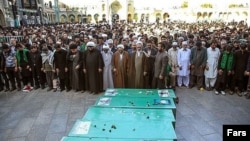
93	57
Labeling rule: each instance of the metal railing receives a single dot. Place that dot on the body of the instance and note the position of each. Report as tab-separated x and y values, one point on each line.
8	38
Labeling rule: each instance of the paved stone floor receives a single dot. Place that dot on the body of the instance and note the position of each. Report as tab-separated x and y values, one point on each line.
48	116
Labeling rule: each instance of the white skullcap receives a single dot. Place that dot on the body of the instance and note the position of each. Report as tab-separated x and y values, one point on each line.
120	46
134	36
104	35
92	44
174	44
184	43
58	42
126	37
139	42
110	41
105	46
181	38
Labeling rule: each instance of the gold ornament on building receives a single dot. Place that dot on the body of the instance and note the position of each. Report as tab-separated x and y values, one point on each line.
115	6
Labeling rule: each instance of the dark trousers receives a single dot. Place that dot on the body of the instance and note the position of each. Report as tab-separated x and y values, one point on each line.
42	78
12	77
196	80
158	83
222	81
62	84
26	75
149	79
36	76
248	85
240	84
1	82
67	81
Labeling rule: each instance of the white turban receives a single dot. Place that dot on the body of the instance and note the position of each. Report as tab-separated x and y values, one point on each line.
110	41
105	46
181	38
139	42
104	35
184	43
92	44
174	44
120	46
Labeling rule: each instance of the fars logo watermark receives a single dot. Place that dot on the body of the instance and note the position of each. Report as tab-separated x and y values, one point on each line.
236	132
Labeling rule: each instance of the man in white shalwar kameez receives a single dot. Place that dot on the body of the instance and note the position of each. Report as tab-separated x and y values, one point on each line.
213	55
183	58
172	61
107	71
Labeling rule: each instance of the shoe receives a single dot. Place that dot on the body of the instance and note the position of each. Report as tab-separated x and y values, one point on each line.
55	90
231	92
27	89
223	93
201	89
67	90
61	90
208	89
239	94
1	89
49	89
216	92
6	90
18	89
31	88
245	93
82	91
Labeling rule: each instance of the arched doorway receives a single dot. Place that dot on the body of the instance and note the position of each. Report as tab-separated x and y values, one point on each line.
204	15
158	17
89	18
96	17
2	19
142	18
115	17
79	18
245	14
199	15
129	19
104	17
210	15
165	16
63	18
72	18
136	17
147	18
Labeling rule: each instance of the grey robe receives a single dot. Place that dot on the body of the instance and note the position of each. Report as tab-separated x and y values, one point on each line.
107	70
